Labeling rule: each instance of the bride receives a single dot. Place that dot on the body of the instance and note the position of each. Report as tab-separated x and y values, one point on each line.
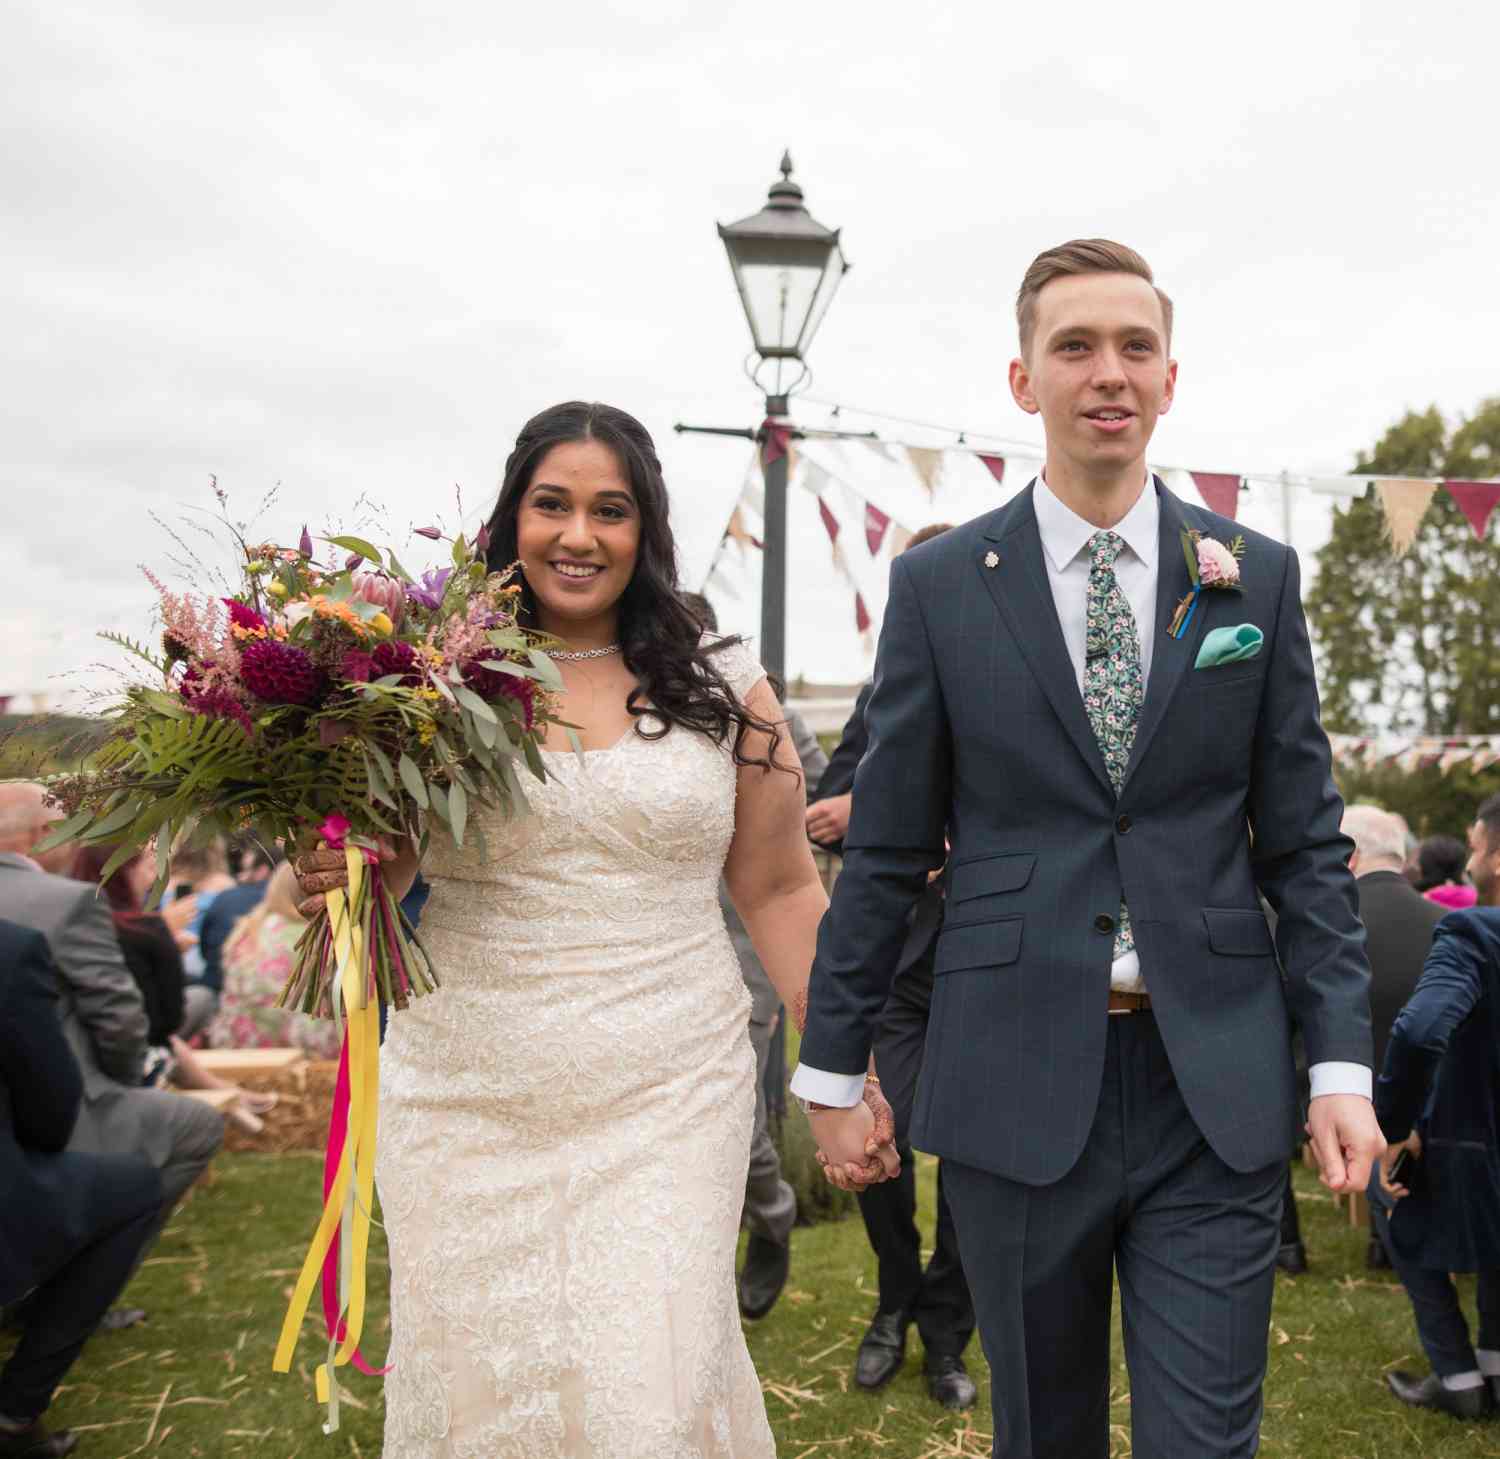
565	1125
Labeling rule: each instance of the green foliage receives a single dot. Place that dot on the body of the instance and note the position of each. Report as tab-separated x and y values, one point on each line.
1434	804
1408	644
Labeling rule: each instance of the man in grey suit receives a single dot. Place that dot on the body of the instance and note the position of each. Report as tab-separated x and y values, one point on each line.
1123	753
103	1016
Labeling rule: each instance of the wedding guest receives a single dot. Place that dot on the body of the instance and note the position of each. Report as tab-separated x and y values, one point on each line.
202	873
1437	1099
1440	872
257	961
935	1298
103	1015
770	1202
253	861
1398	931
72	1227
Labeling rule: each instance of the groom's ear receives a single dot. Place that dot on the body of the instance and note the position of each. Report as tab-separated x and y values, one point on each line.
1020	386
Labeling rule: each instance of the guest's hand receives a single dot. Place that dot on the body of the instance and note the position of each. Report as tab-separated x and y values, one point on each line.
828	820
1395	1189
178	914
1346	1140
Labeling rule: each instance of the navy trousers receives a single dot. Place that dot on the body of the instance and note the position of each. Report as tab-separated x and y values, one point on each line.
1193	1243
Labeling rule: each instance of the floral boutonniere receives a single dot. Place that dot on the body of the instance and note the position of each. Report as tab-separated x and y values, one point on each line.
1210	564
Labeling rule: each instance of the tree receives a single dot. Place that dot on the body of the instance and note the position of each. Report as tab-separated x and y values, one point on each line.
1409	644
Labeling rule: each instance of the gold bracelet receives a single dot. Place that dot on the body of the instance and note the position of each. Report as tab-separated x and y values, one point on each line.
871	1079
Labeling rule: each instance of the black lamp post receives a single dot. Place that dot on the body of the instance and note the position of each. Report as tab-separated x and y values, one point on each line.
787	267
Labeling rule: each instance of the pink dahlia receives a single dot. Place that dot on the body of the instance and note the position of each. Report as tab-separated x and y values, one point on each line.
279	673
493	684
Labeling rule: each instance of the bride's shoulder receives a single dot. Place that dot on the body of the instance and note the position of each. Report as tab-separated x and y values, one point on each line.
742	671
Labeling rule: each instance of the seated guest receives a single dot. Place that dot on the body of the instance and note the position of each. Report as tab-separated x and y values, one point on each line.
1398	925
253	861
155	963
219	921
201	873
1437	1100
1440	872
72	1227
103	1014
257	961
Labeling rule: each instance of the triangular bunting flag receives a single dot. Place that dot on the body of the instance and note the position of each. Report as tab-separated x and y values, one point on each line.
996	465
830	522
737	532
1220	491
776	440
1405	504
928	464
876	523
861	614
1476	500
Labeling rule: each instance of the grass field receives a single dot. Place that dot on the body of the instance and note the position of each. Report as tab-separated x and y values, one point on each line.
197	1380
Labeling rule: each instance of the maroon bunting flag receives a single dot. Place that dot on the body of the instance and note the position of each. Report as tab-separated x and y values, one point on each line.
1476	500
876	522
830	521
996	465
1219	490
775	439
861	614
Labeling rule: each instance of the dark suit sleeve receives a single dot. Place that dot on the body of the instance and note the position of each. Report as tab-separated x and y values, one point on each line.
36	1064
218	922
1451	983
1299	855
896	836
838	778
107	1000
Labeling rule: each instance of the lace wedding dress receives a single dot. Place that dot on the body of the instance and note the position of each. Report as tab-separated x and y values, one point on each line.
565	1127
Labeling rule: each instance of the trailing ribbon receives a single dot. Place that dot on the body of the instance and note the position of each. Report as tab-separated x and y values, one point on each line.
340	1245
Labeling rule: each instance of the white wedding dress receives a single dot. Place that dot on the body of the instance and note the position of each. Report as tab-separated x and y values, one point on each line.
565	1127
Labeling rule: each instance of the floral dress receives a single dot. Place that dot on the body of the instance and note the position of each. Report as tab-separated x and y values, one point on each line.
256	964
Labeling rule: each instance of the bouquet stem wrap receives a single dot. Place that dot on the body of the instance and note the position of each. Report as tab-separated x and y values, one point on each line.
341	1243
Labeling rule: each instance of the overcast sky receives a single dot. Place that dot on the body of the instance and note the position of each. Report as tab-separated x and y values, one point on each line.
349	248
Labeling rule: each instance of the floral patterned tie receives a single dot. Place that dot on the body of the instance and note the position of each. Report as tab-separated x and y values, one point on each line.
1113	688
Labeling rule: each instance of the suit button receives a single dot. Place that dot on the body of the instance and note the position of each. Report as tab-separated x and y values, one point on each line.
1104	923
1123	825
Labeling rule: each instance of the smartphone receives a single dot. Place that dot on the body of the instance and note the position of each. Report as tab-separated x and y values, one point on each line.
1401	1169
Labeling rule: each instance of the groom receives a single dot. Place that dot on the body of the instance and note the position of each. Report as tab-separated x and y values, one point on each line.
1108	1075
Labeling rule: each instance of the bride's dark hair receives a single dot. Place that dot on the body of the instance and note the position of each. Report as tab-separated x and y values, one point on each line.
660	639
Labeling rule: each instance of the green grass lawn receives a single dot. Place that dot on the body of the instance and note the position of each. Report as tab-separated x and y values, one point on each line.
197	1379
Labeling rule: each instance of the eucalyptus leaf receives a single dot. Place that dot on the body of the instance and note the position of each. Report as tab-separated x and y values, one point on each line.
460	550
440	806
509	666
474	704
356	544
458	810
577	744
411	778
122	815
533	758
547	671
489	731
397	569
64	832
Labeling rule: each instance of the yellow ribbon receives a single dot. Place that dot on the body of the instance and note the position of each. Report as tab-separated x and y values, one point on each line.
357	1161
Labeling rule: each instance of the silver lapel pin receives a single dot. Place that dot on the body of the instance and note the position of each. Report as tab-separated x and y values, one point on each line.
992	559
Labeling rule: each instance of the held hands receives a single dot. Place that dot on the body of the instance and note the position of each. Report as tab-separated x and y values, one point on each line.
857	1146
1346	1140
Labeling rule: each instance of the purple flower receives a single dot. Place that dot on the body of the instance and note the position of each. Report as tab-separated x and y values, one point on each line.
482	541
429	592
304	546
430	533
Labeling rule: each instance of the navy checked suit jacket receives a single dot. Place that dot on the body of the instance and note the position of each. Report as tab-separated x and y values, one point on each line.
977	729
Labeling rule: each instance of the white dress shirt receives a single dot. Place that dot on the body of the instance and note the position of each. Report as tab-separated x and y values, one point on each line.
1065	539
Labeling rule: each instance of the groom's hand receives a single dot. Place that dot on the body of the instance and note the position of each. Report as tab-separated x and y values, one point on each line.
856	1146
1346	1140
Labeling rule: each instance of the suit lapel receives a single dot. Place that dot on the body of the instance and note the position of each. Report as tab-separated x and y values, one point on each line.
1170	657
1019	585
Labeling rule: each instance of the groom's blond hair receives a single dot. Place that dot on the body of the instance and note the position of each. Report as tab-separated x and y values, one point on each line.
1081	256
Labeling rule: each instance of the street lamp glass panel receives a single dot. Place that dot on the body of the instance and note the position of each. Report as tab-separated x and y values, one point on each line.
785	285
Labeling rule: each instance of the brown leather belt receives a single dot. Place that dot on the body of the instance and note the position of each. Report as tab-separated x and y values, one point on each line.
1129	1002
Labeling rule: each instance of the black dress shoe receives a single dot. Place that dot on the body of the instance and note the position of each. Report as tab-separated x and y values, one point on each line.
1292	1258
764	1275
36	1442
949	1383
1377	1258
1428	1392
883	1350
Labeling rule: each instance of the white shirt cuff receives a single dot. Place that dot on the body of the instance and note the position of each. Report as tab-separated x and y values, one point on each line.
843	1091
1335	1078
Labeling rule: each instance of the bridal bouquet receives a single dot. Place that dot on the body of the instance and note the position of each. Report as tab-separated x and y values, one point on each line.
330	696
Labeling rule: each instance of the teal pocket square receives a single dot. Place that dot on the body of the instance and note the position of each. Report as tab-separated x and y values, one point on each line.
1229	646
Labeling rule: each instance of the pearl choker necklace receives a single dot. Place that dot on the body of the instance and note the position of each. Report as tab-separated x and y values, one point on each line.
587	653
